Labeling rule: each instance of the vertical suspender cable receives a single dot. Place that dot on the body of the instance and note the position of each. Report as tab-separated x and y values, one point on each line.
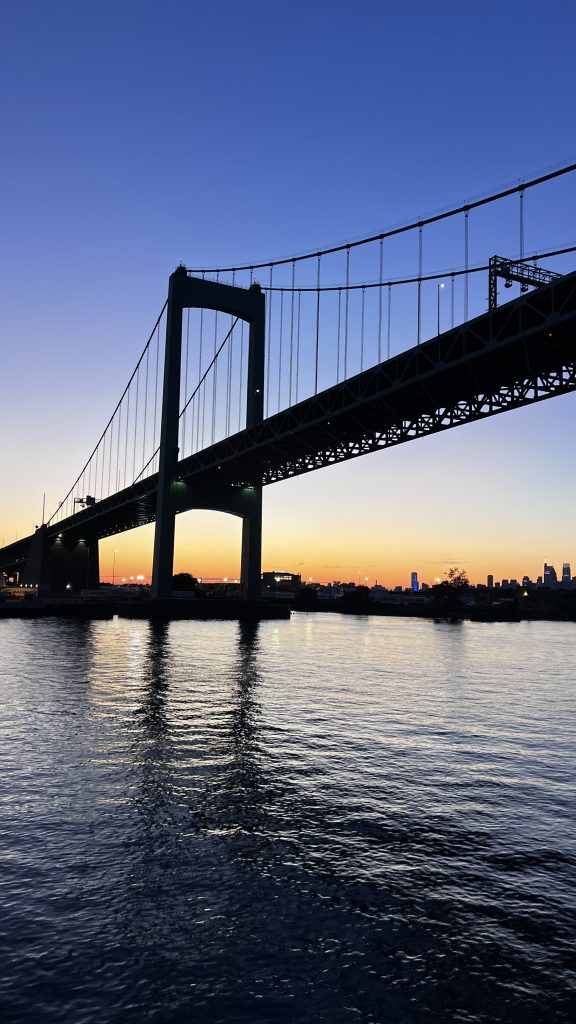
338	336
291	334
362	331
126	441
230	367
466	212
380	302
317	326
269	342
200	343
241	374
96	475
156	388
215	370
389	320
103	465
145	406
522	225
346	307
135	423
229	375
280	345
452	299
185	381
117	474
419	283
298	343
110	456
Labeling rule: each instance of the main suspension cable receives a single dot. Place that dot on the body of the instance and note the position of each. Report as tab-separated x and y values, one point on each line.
483	200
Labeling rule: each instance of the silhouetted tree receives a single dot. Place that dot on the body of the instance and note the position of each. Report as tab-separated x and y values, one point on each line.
184	581
457	578
448	594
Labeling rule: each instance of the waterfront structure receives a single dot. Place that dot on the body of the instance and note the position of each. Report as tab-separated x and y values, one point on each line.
217	451
281	580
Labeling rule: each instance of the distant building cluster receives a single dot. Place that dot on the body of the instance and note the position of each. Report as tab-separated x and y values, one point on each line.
549	579
285	583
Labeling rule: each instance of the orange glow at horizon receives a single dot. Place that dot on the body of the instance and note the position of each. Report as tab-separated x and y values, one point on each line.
208	545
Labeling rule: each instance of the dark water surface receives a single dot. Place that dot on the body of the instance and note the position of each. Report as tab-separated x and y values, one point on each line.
324	820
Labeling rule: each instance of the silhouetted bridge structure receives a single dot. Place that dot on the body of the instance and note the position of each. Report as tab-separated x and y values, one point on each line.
513	355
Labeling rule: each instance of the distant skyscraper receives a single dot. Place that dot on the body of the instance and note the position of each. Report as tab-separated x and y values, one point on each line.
566	574
414	582
550	577
490	581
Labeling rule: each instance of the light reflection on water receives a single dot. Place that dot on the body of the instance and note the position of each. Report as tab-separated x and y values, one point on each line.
328	819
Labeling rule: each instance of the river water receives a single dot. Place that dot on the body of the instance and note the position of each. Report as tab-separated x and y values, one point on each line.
327	819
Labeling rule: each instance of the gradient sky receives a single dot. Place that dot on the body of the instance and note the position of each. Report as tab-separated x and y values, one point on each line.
138	135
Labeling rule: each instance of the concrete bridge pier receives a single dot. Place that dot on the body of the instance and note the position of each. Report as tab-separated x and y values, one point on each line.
63	564
251	562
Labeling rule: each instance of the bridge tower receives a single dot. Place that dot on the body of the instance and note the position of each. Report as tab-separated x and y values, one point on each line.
186	292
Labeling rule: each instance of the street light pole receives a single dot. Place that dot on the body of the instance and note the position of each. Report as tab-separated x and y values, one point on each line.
441	285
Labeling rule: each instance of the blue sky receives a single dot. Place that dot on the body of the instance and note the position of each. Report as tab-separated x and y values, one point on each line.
138	135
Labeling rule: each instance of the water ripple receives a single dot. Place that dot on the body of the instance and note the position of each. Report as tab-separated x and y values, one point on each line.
330	819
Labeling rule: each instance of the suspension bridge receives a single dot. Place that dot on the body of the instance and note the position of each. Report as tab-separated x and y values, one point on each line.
259	372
